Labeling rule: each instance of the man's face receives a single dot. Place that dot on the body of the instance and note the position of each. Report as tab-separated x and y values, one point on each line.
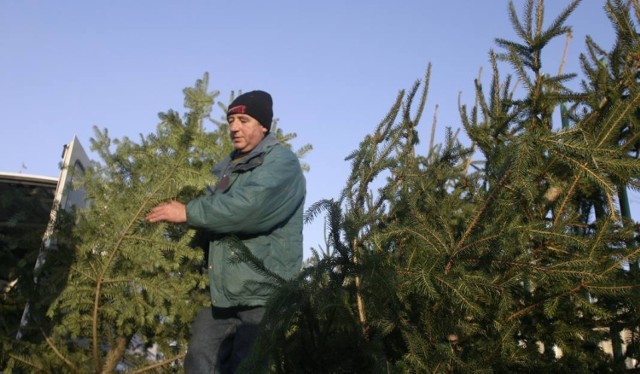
246	133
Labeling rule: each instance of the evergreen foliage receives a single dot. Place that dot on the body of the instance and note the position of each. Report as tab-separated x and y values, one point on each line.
508	255
129	278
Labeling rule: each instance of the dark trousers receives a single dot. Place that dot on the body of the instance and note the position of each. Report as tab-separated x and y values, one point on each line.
221	338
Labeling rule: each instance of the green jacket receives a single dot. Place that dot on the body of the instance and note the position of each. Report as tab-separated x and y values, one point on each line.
259	199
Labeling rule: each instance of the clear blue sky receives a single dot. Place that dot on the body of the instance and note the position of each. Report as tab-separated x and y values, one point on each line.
334	68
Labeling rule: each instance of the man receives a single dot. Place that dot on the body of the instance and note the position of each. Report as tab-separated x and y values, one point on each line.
258	199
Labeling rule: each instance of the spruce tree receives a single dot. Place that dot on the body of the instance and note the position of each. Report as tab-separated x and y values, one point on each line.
507	255
128	278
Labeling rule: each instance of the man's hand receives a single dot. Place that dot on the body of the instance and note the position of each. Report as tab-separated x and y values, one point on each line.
172	211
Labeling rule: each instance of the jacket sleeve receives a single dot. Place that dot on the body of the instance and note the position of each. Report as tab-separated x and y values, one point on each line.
264	200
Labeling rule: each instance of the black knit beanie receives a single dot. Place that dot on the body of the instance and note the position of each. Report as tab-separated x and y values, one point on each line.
257	104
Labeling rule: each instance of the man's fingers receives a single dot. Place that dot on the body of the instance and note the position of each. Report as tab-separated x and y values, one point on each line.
156	213
171	212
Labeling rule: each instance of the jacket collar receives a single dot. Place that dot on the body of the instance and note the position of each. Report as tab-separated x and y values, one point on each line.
246	162
265	145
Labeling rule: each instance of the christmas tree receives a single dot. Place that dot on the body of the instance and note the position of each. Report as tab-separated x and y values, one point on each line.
507	255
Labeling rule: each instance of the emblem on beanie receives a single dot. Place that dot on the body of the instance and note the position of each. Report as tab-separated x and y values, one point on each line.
239	109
